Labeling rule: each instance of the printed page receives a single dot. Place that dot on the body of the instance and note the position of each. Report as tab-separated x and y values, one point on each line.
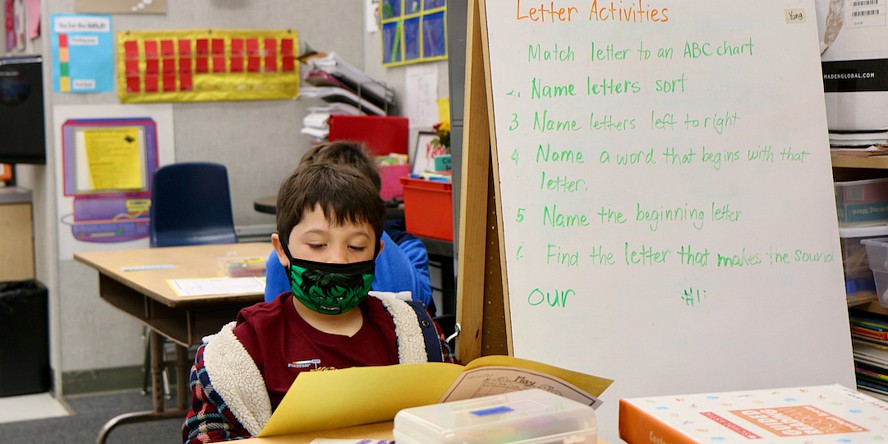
213	286
487	381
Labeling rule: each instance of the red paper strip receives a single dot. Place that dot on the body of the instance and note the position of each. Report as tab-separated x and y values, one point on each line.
203	47
132	84
151	82
237	55
185	82
288	58
184	48
169	82
132	67
218	47
151	50
270	55
131	50
253	59
237	47
152	64
166	48
201	65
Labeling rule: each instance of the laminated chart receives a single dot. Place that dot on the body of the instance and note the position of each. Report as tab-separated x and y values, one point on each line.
207	65
82	53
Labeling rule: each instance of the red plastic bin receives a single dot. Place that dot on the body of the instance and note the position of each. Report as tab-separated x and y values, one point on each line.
428	208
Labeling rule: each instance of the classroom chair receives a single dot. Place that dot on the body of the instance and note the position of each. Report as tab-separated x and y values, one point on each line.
190	205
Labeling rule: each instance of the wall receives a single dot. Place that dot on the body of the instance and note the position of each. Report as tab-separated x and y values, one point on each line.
258	141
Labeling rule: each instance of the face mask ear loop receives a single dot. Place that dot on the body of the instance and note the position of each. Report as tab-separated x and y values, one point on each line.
289	258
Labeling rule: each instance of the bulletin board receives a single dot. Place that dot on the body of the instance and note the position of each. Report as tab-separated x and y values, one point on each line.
659	196
207	65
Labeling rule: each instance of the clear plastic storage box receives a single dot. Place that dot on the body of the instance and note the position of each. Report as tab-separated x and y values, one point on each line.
877	255
858	275
528	417
862	201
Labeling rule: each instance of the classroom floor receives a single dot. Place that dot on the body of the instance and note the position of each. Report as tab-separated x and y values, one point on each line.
88	413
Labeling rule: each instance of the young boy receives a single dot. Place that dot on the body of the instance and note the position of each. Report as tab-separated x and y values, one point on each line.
401	266
329	222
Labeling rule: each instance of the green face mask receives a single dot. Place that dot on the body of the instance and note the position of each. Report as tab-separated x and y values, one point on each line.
330	288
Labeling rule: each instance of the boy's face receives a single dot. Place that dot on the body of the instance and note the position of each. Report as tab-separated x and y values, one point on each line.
315	239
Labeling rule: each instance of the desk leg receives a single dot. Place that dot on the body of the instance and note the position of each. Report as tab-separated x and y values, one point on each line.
157	364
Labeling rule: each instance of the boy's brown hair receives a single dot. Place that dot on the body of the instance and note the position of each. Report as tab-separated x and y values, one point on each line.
344	152
344	193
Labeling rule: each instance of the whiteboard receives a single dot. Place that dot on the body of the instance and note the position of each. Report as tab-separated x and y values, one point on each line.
665	194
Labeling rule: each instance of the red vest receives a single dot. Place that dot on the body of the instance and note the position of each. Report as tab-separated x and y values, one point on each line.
283	345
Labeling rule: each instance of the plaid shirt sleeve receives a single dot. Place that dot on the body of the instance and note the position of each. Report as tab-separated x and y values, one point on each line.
209	419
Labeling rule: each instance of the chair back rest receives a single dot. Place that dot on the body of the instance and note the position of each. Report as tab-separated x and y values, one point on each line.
191	205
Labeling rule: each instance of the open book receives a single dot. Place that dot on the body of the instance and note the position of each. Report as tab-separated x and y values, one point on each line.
364	395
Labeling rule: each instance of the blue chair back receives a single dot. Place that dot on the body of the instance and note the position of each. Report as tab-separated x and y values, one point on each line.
191	205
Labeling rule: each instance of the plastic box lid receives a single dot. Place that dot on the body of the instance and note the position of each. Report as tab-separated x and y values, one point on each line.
867	190
877	253
528	417
865	231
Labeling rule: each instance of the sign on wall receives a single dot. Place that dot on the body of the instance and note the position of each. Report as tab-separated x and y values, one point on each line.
207	65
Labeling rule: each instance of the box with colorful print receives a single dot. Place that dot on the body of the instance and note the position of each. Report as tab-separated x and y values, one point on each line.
862	201
800	415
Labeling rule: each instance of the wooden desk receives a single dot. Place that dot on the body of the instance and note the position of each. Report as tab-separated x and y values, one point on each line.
379	430
146	296
267	204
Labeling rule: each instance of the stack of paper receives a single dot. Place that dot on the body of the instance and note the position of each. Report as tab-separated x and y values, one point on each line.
328	69
858	138
859	143
317	123
346	90
333	94
870	344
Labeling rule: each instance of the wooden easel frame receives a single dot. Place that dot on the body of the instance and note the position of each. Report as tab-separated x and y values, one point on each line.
481	289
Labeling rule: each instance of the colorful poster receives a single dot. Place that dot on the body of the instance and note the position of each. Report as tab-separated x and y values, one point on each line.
207	65
105	157
82	53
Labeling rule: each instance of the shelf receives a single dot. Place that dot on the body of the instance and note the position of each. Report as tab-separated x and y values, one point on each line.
878	162
872	307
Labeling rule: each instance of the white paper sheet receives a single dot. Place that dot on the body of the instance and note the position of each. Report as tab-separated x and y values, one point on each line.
421	88
211	286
